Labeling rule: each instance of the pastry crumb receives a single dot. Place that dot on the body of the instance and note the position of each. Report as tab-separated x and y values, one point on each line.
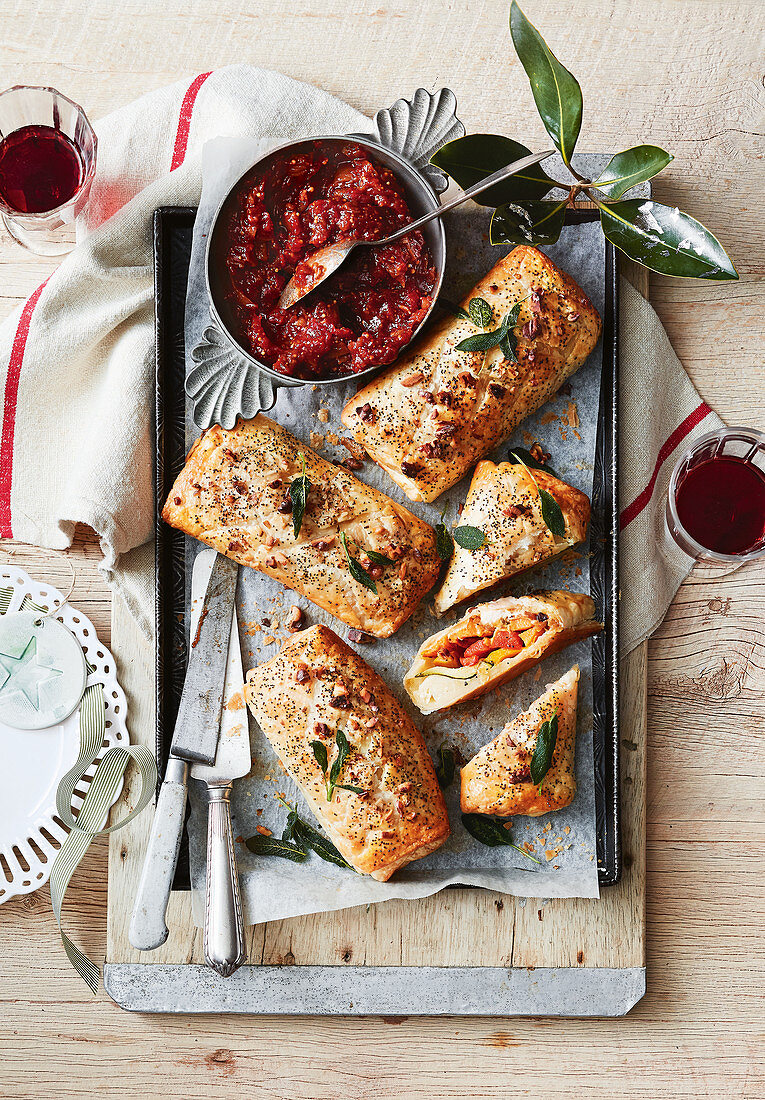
323	415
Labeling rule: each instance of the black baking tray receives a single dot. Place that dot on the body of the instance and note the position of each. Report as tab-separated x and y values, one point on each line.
173	228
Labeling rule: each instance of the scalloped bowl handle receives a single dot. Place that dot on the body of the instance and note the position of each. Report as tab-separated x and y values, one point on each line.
223	384
416	128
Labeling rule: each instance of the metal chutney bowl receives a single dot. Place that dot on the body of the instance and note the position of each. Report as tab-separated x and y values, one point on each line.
227	381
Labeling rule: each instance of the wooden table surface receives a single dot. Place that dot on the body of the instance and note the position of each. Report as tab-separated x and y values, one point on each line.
685	74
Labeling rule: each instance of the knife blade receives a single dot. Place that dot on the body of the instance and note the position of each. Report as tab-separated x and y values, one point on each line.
224	946
195	738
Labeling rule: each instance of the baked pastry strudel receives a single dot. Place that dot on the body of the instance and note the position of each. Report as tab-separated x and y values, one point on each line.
433	414
385	807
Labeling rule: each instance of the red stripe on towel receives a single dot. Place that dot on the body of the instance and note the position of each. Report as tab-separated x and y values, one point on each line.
184	121
681	431
9	411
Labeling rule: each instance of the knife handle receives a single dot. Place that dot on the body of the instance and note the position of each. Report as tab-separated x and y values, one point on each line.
147	926
224	947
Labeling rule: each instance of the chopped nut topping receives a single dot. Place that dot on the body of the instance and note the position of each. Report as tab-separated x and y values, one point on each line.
359	636
352	463
302	675
365	694
410	469
536	299
295	620
321	729
366	414
429	398
285	505
531	328
445	398
355	448
448	428
412	379
403	570
323	544
496	390
275	484
323	415
239	485
466	378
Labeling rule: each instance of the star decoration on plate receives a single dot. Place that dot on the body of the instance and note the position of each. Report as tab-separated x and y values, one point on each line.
26	674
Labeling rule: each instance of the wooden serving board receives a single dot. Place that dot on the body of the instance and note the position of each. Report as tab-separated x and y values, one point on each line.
571	957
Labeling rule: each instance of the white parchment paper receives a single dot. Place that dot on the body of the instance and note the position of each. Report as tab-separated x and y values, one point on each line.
274	888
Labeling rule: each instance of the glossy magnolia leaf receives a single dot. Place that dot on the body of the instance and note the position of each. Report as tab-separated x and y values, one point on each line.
664	239
556	92
530	222
630	167
470	159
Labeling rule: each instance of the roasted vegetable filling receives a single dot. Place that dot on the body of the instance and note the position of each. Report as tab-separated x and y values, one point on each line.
460	656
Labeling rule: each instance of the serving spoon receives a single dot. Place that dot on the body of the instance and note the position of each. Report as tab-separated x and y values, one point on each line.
325	261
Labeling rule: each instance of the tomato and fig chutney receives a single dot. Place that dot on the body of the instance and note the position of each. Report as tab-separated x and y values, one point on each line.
279	214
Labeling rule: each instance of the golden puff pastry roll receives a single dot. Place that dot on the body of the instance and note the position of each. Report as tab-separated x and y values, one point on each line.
498	780
318	690
433	414
234	494
494	643
503	501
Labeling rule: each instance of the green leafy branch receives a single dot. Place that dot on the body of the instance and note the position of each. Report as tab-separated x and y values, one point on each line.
661	238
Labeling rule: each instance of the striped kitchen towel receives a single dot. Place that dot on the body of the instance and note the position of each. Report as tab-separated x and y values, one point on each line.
76	361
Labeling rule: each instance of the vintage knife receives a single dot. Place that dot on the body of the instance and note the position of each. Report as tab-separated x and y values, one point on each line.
195	740
224	946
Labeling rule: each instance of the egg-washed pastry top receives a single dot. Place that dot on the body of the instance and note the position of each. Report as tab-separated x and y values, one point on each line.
319	690
498	778
496	642
234	494
504	503
428	418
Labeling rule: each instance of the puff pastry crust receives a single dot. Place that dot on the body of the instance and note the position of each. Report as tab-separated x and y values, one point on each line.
498	781
555	619
503	501
430	417
316	686
233	494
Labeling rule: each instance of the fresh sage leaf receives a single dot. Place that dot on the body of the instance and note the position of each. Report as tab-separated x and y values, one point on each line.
551	510
492	833
343	748
474	157
664	239
631	166
481	313
320	755
470	538
357	571
378	558
552	513
482	341
530	222
458	311
446	765
508	345
289	829
299	489
525	458
556	92
541	758
273	846
444	541
309	837
348	787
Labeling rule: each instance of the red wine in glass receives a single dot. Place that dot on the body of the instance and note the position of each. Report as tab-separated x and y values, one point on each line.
40	169
721	504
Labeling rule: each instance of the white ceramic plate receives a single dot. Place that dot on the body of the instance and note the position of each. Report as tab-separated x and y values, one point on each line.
32	762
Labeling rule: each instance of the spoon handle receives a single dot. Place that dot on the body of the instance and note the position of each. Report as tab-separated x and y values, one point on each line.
482	185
